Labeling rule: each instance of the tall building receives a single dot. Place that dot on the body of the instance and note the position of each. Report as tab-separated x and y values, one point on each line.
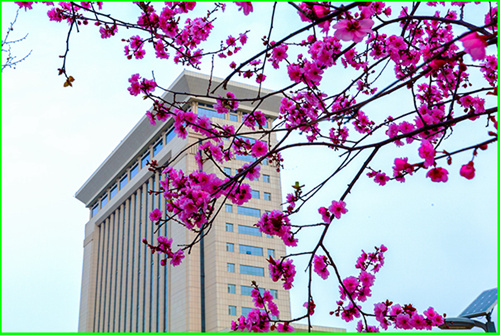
124	287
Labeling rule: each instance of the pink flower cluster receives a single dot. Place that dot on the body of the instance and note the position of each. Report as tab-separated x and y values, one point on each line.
137	86
277	223
320	264
284	270
335	210
255	118
406	317
224	105
165	246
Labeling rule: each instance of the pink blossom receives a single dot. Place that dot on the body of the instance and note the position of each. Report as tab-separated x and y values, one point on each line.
25	5
259	148
474	45
338	208
155	215
246	6
177	257
467	170
284	328
320	266
381	178
427	152
325	214
438	175
353	30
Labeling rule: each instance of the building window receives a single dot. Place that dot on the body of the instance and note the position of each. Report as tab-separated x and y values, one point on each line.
232	310
247	290
113	192
265	178
229	208
274	293
255	194
170	135
134	171
250	250
251	270
230	267
245	311
145	160
270	252
203	111
267	196
265	161
229	227
233	117
249	211
158	146
104	201
269	236
95	209
123	181
230	247
227	171
247	230
231	288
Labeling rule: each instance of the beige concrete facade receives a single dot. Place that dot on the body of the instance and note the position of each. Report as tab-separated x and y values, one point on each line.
124	287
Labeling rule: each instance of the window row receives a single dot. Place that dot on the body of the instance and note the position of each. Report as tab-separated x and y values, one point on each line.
247	290
134	169
249	250
246	230
246	269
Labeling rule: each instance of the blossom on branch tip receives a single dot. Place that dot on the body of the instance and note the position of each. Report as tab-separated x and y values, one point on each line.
467	170
475	45
155	215
337	208
353	30
245	6
320	264
438	174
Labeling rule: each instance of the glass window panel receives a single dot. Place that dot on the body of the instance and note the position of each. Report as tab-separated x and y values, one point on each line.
265	161
202	111
113	192
246	290
233	117
249	211
269	236
232	310
247	230
231	288
104	201
158	146
134	171
267	196
145	159
123	181
266	178
170	135
255	194
230	267
230	247
274	293
229	227
246	158
250	250
270	252
251	270
95	209
229	208
227	171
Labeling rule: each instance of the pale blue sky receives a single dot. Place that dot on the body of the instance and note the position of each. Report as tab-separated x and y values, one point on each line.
442	238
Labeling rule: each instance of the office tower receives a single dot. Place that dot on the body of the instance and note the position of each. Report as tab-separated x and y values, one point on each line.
124	288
